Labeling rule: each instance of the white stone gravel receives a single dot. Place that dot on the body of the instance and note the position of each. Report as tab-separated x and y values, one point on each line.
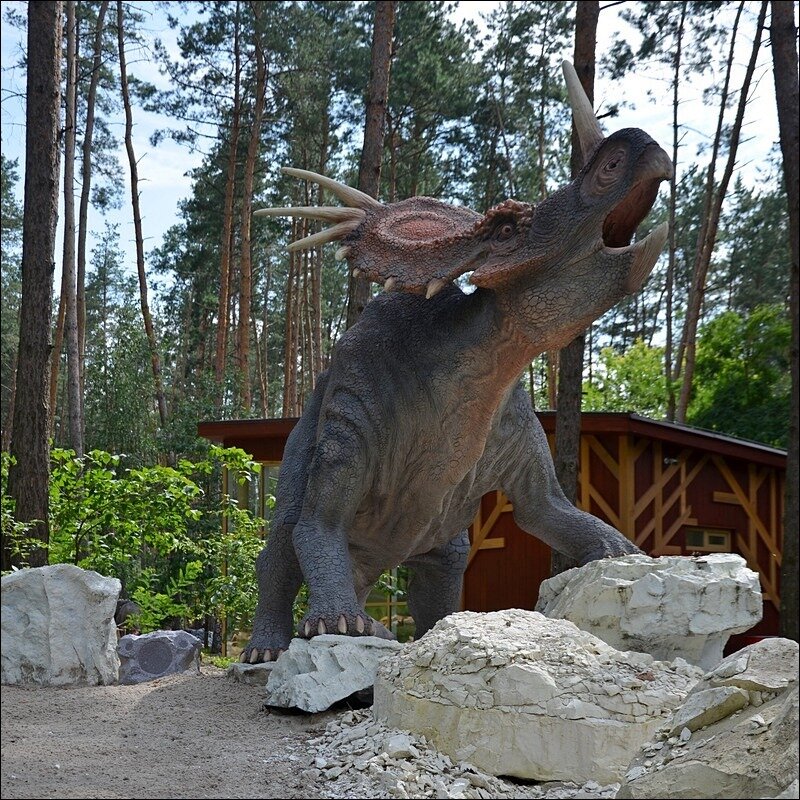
357	757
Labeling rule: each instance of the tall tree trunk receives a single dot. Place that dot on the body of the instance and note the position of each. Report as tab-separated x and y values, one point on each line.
227	225
669	370
86	183
784	55
568	416
290	336
246	281
28	476
708	232
369	170
8	422
155	361
75	401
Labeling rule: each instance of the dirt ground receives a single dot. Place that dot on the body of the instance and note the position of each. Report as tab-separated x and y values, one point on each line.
183	736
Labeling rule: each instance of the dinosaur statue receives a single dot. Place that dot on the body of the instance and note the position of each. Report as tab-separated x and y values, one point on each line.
420	413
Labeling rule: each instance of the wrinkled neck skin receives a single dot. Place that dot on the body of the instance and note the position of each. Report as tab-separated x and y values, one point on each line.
547	310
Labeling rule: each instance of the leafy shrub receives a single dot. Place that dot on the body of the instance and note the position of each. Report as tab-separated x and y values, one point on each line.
182	548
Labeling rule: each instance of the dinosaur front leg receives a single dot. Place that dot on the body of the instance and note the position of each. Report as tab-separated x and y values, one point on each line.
336	485
279	579
435	582
540	507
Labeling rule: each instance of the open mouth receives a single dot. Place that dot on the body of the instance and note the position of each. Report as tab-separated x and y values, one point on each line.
620	225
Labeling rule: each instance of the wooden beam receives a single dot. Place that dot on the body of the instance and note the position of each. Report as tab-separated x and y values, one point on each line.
604	506
603	455
495	543
626	487
480	533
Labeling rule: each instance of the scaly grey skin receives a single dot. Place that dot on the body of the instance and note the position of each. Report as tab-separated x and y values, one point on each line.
421	413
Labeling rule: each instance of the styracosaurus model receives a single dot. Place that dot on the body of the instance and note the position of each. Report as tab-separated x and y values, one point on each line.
421	412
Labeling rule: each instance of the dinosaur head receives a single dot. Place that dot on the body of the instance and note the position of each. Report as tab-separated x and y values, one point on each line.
580	234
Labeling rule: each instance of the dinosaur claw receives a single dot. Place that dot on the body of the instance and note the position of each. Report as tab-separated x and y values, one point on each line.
360	624
390	284
321	627
307	630
267	656
341	625
243	657
254	656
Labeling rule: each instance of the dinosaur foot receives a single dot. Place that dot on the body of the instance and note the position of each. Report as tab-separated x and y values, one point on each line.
252	655
343	623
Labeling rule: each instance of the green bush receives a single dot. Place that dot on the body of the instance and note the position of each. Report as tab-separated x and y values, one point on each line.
182	548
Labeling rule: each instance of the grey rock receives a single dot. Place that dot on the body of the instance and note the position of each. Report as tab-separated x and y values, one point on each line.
314	674
671	607
58	627
251	674
752	751
153	655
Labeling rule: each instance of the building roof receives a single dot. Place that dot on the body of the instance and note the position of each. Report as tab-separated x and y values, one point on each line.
264	438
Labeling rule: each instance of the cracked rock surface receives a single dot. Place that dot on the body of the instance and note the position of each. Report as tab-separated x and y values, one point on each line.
735	735
670	606
516	693
358	756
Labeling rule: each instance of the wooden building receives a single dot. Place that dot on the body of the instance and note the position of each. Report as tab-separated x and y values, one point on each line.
672	489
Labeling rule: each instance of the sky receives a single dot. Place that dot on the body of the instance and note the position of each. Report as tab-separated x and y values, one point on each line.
163	170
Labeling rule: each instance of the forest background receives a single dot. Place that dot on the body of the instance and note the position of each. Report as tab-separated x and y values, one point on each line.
209	316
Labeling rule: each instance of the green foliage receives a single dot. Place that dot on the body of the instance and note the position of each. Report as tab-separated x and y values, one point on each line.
158	607
742	376
181	551
629	381
14	531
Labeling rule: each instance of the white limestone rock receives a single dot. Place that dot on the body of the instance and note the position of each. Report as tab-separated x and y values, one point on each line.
58	627
672	606
750	751
315	673
153	655
518	694
357	756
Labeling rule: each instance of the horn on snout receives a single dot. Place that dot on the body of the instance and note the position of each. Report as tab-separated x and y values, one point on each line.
589	131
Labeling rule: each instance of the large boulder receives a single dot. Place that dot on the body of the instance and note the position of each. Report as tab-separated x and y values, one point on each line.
672	606
153	655
314	674
518	694
58	627
735	735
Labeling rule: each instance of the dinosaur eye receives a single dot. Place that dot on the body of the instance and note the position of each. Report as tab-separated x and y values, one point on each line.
504	231
612	165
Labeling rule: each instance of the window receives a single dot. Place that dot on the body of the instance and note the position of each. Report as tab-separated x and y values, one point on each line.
709	540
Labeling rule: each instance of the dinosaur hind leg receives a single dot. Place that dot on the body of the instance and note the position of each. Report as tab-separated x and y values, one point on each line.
434	586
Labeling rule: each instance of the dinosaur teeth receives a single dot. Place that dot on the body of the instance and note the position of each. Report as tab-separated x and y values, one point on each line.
435	286
390	284
342	253
356	273
341	625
